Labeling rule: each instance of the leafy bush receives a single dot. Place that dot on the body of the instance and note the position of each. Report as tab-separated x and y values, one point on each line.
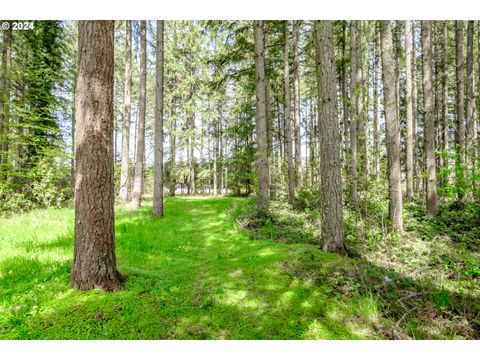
308	198
13	202
50	182
282	223
472	268
462	222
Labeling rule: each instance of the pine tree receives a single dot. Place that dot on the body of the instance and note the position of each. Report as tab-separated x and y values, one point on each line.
330	163
392	126
261	131
94	262
140	149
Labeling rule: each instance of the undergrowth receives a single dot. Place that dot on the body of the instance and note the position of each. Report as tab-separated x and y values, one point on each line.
424	283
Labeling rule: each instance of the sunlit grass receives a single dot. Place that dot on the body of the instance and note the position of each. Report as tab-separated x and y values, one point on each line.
193	274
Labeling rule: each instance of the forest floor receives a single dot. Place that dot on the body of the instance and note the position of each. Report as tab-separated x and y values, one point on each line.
204	272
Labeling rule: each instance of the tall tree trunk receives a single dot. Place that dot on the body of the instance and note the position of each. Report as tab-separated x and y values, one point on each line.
139	161
191	137
444	80
202	160
5	83
460	110
330	163
416	162
409	76
280	141
216	144
470	126
288	122
476	124
94	262
296	105
72	161
261	128
173	148
220	153
158	152
191	156
269	118
431	197
392	125
376	106
312	142
345	97
354	111
360	110
435	39
127	114
397	53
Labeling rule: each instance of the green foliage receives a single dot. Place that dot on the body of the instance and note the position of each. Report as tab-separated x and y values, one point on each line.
12	202
462	222
422	280
50	187
472	268
308	198
44	61
282	223
40	76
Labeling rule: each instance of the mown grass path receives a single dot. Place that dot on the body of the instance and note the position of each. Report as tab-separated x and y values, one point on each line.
191	275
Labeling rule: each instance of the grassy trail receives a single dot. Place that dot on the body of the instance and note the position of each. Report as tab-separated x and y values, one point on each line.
195	274
192	275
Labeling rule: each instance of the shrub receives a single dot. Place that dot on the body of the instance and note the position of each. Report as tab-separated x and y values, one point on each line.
46	186
13	202
308	198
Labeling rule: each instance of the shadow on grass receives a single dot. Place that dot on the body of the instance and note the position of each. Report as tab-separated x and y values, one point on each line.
195	275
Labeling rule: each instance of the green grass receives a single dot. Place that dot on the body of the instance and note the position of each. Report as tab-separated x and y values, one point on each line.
422	284
195	274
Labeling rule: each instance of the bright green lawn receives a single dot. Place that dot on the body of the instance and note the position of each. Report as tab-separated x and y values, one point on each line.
191	275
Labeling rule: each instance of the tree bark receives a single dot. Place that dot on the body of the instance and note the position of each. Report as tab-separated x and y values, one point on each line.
343	85
269	118
215	159
173	149
416	162
5	83
191	136
360	110
353	111
476	124
396	53
220	153
392	126
444	80
376	106
409	76
261	128
296	105
460	110
288	122
312	143
127	114
333	239
94	262
72	161
158	152
435	40
470	120
140	155
431	194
